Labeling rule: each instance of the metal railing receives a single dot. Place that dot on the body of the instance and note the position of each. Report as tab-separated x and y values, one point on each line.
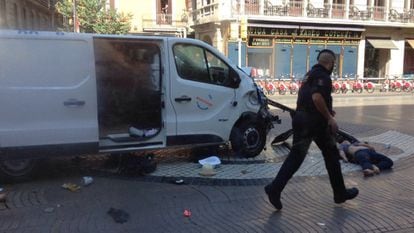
163	20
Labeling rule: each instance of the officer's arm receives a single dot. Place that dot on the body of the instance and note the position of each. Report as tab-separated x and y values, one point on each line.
320	105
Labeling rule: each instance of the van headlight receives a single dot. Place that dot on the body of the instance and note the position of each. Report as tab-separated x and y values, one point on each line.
253	98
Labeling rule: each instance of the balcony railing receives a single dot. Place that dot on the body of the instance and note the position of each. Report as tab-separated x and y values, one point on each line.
297	8
163	20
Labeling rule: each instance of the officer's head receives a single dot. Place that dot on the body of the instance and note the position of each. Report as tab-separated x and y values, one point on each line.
326	58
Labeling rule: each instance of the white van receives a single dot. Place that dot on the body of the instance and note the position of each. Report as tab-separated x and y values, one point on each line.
71	94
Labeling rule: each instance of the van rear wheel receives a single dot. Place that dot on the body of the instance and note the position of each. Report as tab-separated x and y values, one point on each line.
16	170
248	139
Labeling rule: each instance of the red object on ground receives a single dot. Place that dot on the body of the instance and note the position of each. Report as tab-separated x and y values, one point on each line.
187	213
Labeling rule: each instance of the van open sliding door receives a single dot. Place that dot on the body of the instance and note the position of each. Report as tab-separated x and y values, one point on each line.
128	76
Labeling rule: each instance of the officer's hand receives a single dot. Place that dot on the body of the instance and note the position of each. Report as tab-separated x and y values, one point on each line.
333	126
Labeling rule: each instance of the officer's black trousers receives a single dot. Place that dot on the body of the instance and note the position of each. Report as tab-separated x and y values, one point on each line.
308	127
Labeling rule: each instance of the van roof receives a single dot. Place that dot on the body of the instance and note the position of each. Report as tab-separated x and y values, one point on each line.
4	33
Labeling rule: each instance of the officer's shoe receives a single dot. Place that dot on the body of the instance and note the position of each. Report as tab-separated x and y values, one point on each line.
274	198
349	194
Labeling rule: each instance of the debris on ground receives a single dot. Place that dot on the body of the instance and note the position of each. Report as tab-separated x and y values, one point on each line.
178	181
71	187
187	213
49	209
207	170
86	180
119	216
212	160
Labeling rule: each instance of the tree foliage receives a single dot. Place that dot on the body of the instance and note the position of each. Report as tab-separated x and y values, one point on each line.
93	17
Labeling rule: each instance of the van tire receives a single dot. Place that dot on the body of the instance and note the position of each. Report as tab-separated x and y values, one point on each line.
17	170
248	139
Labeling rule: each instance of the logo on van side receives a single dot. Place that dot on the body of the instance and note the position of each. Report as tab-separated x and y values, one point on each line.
204	104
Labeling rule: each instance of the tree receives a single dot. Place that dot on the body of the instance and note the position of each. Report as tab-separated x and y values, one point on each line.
93	17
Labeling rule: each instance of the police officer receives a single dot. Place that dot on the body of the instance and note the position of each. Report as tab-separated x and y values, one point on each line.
314	121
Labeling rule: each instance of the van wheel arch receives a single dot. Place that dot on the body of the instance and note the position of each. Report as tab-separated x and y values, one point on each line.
248	136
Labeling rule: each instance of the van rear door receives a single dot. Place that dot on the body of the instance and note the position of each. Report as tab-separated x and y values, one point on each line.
47	92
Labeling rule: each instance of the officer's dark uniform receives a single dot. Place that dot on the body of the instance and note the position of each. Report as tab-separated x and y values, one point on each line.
308	124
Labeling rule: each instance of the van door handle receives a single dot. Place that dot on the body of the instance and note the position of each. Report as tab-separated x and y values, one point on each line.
182	98
73	103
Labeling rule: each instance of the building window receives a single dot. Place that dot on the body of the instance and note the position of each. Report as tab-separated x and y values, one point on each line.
379	3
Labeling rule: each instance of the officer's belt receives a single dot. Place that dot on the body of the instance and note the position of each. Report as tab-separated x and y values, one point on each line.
306	109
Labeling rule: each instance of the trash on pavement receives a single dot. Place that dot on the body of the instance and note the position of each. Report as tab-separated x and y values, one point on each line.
87	180
212	160
178	181
207	170
49	209
119	216
187	213
70	186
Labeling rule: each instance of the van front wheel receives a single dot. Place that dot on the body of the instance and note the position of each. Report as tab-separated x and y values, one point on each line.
16	170
248	139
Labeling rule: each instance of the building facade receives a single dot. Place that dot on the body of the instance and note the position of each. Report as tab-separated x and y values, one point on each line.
371	38
159	17
29	15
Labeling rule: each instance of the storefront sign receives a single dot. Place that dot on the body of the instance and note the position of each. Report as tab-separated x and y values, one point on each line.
303	32
262	42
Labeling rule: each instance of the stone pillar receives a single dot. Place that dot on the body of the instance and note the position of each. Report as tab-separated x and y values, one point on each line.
218	39
261	7
305	7
330	3
347	5
361	57
387	9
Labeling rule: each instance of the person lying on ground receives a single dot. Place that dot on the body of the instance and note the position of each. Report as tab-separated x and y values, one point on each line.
365	155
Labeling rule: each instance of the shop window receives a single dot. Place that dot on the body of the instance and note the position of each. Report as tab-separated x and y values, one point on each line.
371	67
349	66
379	3
282	61
300	57
409	60
260	59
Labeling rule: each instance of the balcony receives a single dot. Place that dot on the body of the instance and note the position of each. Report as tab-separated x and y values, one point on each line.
164	23
313	11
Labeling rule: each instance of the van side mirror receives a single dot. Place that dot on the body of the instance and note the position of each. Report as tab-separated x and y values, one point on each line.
234	79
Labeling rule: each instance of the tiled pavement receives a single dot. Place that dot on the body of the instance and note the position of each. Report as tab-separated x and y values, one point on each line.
231	201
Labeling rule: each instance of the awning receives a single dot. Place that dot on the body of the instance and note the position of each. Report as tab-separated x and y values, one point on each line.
382	44
411	43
